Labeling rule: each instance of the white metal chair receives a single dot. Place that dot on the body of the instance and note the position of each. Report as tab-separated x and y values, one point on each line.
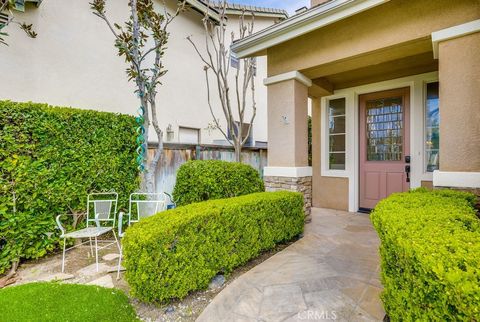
100	220
141	205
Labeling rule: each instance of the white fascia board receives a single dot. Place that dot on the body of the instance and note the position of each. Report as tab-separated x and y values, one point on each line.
287	172
456	179
301	24
452	33
296	75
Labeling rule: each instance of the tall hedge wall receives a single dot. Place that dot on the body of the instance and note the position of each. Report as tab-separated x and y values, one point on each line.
51	157
181	250
430	252
201	180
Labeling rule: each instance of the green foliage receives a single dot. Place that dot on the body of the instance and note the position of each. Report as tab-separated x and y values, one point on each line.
430	246
181	250
51	158
213	179
51	302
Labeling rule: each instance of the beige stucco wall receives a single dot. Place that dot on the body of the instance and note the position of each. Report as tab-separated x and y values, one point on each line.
288	144
314	3
459	72
327	192
379	30
73	63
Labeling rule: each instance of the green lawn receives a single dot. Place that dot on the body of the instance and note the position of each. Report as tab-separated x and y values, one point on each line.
64	302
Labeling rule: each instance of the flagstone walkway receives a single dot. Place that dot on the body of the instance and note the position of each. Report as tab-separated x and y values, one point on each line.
332	273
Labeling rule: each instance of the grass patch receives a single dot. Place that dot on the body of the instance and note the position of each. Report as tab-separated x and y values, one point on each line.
64	302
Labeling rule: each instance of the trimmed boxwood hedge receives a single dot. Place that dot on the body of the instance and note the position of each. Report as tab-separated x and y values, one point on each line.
202	180
181	250
430	253
51	157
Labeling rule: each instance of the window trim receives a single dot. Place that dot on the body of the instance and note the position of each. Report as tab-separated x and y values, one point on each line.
325	136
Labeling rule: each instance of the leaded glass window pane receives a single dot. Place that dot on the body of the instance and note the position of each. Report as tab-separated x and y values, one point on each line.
385	129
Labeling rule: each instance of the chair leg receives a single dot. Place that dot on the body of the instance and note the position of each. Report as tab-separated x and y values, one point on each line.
116	241
63	255
91	246
96	252
119	263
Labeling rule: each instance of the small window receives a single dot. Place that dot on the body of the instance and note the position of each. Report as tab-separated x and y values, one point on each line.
432	130
337	134
245	127
189	135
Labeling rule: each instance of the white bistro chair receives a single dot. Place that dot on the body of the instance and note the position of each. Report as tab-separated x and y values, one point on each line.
141	205
101	218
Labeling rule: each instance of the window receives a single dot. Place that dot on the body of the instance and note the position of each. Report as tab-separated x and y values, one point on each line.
189	135
245	128
432	122
336	133
385	129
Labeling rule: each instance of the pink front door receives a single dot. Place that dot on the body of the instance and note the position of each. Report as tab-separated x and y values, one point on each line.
384	145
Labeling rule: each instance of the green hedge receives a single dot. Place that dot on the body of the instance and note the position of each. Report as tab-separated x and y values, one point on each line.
51	158
213	179
430	252
181	250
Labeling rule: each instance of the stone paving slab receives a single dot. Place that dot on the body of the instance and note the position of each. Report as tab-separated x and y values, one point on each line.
331	274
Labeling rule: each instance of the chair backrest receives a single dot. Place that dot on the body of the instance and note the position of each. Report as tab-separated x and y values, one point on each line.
144	205
104	206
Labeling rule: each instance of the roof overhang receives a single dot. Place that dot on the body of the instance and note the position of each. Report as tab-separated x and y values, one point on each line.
203	8
237	12
301	24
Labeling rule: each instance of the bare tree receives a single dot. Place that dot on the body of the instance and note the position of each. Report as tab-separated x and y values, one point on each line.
143	34
217	60
7	6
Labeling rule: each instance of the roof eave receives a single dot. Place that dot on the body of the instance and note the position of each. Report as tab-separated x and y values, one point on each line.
202	7
301	24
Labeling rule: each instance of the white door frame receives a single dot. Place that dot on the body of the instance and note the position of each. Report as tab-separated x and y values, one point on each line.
417	85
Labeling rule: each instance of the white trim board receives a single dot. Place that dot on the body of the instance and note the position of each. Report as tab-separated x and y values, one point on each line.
296	75
300	24
287	172
352	171
456	179
452	33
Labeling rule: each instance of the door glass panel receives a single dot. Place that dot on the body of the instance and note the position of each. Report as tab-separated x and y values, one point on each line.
384	129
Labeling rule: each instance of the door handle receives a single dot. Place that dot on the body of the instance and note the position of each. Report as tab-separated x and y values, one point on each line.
407	171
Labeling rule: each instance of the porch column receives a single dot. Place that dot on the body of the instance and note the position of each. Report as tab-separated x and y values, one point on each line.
288	136
458	51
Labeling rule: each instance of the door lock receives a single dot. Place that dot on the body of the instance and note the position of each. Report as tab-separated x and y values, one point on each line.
407	171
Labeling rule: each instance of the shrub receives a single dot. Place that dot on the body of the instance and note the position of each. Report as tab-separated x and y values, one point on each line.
51	158
49	302
430	246
181	250
213	179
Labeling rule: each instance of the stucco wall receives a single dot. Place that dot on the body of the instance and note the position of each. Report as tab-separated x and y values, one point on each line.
459	70
393	23
288	146
327	192
73	63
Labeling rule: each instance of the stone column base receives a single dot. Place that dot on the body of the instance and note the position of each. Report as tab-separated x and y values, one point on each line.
300	184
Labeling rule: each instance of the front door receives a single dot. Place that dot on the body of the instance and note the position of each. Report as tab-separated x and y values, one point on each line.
384	145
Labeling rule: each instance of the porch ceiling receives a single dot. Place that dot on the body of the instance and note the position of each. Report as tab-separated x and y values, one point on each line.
410	58
412	65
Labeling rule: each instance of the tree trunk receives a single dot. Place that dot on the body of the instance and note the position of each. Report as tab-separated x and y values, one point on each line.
238	152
